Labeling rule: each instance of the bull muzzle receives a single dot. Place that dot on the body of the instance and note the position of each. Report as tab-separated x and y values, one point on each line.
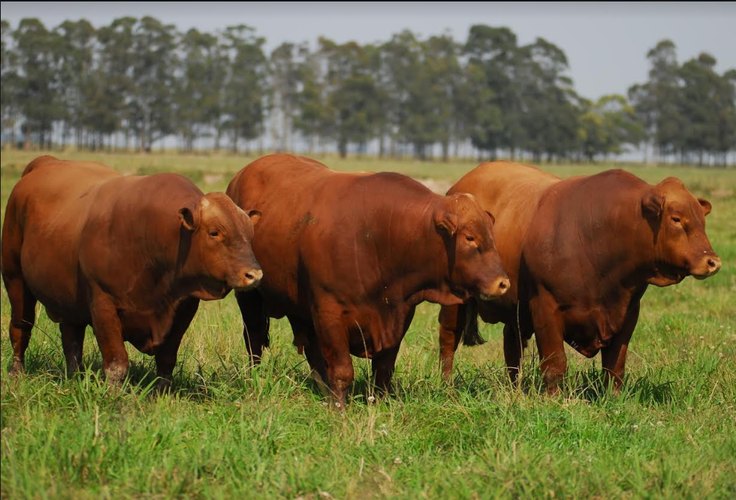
708	266
249	279
497	289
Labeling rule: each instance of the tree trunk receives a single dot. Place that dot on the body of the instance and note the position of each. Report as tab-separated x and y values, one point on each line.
342	147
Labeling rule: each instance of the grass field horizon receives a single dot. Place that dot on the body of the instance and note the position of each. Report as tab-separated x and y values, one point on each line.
227	430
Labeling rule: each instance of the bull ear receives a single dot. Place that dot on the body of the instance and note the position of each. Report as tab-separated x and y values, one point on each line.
187	219
254	215
493	219
706	206
652	205
446	222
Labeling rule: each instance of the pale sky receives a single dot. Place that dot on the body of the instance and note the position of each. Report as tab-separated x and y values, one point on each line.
606	43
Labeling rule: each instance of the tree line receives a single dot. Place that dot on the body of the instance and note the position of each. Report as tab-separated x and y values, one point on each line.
136	81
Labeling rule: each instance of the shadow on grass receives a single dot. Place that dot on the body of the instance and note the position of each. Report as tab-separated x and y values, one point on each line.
234	382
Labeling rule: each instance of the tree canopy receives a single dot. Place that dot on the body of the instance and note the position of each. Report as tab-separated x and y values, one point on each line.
136	81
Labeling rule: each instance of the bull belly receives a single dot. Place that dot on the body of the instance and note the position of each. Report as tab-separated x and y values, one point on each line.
142	330
586	339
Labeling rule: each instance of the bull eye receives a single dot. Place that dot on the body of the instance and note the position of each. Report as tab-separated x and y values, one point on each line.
676	219
214	233
469	238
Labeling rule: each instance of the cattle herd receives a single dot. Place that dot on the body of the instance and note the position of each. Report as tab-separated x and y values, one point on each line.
346	258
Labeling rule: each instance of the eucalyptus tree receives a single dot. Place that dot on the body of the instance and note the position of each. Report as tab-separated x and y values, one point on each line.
442	73
607	125
353	97
112	106
153	76
38	92
75	52
727	116
311	114
398	68
10	83
707	106
495	51
284	78
200	81
664	96
549	102
245	95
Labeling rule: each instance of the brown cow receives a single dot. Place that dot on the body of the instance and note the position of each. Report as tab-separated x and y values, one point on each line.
347	258
130	255
580	254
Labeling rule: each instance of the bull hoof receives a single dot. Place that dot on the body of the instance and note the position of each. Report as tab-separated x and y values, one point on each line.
323	388
16	368
163	386
115	375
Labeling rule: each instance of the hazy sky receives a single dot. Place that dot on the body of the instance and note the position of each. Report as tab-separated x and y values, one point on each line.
606	43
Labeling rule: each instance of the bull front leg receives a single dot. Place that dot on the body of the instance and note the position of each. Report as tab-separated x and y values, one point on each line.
109	334
549	331
613	356
452	323
332	339
167	352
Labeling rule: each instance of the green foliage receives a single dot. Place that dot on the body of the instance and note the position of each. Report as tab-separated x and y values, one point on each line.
141	80
228	431
245	85
688	111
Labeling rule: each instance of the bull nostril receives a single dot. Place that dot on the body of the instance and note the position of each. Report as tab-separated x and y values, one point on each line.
714	264
254	275
503	284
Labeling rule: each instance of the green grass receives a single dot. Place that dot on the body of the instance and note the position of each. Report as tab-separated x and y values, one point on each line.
227	431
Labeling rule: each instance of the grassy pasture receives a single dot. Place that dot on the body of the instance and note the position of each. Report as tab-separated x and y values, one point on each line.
228	431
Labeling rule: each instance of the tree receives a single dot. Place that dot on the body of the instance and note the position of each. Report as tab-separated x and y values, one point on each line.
245	86
550	117
112	105
706	105
75	54
440	88
38	84
152	99
200	84
663	90
11	84
495	51
607	125
352	94
285	84
311	117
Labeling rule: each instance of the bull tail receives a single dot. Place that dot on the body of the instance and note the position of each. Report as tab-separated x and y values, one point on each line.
471	335
37	163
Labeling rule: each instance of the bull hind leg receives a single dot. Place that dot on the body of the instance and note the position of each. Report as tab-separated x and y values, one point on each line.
166	353
514	342
318	366
255	324
383	365
22	319
72	341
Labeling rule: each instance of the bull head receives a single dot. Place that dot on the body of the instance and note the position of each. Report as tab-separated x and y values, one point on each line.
475	266
681	246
